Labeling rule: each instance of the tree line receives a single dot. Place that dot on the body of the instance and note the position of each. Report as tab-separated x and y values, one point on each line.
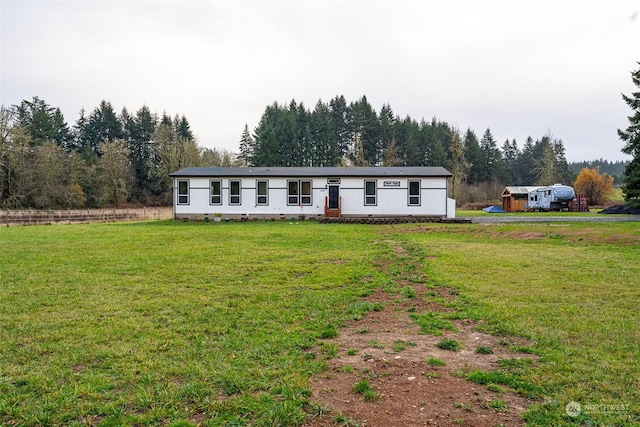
354	134
113	159
105	159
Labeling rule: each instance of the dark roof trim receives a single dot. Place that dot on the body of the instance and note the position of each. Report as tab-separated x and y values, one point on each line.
376	171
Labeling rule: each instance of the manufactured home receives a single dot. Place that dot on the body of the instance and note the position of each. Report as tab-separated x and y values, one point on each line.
311	192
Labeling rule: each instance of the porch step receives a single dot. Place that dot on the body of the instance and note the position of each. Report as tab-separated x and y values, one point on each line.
332	213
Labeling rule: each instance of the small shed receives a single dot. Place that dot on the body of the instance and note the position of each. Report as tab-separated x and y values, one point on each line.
514	198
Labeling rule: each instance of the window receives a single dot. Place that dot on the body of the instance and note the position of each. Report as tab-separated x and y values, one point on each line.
215	189
305	192
234	192
414	193
299	192
183	191
262	192
370	196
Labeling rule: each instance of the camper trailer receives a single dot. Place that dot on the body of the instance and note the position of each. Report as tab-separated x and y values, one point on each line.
553	198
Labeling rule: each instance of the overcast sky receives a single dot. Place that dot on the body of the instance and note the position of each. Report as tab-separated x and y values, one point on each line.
520	68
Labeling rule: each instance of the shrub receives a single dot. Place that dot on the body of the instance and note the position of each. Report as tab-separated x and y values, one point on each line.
597	186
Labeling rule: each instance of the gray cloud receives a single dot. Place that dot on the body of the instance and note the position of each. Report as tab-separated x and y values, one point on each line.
523	69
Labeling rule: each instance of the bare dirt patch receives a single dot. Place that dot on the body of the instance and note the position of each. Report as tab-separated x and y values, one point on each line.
387	349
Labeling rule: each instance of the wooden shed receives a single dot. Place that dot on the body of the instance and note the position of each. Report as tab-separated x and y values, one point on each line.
514	199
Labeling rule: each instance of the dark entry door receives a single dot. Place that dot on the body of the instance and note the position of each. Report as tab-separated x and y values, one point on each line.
334	196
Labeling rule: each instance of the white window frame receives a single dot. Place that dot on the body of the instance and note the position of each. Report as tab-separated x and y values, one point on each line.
371	199
182	197
414	199
262	199
215	199
235	199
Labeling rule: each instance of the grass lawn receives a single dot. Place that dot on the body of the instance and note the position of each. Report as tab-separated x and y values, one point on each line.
187	323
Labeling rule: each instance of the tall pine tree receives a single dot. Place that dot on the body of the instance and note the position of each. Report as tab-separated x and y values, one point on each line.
631	137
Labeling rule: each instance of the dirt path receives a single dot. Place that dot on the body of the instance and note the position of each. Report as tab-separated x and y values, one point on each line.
387	349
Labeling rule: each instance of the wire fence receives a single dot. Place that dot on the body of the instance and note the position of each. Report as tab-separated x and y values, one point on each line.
70	216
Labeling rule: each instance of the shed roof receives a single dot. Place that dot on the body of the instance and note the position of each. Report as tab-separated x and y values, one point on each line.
374	171
524	189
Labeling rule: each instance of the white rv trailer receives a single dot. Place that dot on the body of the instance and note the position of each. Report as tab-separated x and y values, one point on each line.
277	192
553	198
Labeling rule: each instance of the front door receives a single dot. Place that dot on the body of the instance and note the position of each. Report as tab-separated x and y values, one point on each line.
334	197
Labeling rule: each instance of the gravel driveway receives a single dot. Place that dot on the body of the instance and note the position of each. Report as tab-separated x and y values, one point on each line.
499	219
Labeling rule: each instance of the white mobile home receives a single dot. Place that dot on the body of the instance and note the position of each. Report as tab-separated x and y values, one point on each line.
277	192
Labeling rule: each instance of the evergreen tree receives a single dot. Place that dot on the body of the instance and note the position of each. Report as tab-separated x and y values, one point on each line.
526	163
438	139
324	135
366	131
101	125
387	123
473	156
564	173
550	164
267	147
342	116
43	122
631	137
183	128
145	159
247	147
408	141
306	153
492	158
459	164
510	154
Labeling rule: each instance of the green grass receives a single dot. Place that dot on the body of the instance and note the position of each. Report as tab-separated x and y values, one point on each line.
431	323
150	323
434	361
448	344
223	324
573	289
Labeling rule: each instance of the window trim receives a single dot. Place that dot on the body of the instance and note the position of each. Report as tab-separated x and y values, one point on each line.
373	196
411	196
180	195
300	198
304	195
211	195
259	196
232	195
